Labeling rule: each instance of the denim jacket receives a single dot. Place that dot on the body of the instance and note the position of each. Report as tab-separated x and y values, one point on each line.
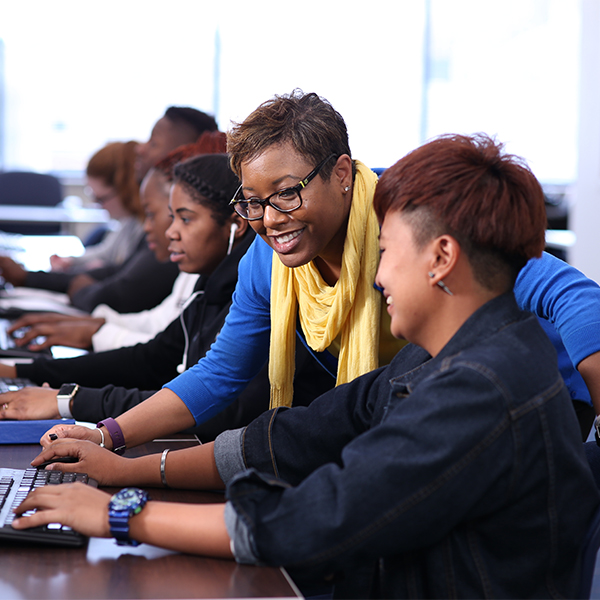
461	475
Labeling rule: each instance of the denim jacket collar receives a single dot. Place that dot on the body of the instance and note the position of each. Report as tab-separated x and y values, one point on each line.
485	321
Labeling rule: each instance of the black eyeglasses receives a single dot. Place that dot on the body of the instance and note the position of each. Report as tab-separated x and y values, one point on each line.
284	201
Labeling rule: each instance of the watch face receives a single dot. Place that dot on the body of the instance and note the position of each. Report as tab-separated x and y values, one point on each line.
129	498
67	389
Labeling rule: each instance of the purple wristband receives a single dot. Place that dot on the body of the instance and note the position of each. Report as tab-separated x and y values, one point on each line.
115	433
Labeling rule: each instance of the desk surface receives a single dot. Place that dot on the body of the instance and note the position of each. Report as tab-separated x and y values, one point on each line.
51	214
34	251
105	570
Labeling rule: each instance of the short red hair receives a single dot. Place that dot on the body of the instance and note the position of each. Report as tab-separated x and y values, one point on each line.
467	187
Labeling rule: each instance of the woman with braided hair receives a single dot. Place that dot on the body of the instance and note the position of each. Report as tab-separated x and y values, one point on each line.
206	237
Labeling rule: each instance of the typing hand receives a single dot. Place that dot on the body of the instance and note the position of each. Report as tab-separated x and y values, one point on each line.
29	403
73	333
101	464
76	432
82	507
35	318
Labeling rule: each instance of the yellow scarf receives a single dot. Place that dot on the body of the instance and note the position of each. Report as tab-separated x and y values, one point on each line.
352	307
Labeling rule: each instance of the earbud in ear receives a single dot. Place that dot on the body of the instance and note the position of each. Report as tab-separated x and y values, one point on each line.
232	230
180	369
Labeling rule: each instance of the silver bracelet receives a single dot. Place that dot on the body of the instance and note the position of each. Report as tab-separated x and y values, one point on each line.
163	460
102	442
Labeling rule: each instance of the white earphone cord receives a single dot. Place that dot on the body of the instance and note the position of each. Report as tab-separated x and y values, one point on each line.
183	366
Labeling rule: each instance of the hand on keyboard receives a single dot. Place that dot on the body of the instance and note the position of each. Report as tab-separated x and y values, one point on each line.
30	403
100	464
76	432
75	333
80	506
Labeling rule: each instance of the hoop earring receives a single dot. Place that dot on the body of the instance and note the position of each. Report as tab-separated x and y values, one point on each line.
441	284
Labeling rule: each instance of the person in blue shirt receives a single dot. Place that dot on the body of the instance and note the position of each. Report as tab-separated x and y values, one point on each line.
308	277
450	473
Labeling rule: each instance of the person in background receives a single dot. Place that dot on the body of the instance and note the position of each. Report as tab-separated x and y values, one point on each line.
179	125
206	237
105	328
452	472
111	178
129	289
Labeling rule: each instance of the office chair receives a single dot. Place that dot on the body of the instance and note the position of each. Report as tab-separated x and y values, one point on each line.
30	189
592	540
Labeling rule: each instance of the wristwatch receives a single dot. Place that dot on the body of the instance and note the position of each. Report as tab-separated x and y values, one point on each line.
116	434
123	505
65	395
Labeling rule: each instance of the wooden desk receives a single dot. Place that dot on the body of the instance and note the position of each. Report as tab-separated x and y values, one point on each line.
105	570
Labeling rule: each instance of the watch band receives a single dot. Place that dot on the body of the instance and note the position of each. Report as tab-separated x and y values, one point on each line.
119	528
115	433
63	399
122	506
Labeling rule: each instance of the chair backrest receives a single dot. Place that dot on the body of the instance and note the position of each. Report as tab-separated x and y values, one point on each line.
592	540
30	189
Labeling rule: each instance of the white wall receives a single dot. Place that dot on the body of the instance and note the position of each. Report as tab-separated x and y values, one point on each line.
585	213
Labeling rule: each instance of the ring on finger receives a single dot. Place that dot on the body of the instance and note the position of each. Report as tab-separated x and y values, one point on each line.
5	406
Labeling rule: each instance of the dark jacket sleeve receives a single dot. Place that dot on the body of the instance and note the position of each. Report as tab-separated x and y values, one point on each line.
91	404
141	283
55	282
145	366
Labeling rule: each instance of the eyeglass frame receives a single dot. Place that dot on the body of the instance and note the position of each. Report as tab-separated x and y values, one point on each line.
267	201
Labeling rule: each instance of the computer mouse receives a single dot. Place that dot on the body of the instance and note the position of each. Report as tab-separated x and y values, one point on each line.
58	459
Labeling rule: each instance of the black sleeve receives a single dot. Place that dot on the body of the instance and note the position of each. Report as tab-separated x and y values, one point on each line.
145	366
102	273
55	282
141	283
90	404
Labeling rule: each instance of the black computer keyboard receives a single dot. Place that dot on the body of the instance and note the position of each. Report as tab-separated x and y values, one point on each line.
12	384
15	484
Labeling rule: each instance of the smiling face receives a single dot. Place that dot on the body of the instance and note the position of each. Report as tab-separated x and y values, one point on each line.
154	195
316	230
197	242
403	275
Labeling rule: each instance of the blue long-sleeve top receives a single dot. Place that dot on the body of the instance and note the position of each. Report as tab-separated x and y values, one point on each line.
546	286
